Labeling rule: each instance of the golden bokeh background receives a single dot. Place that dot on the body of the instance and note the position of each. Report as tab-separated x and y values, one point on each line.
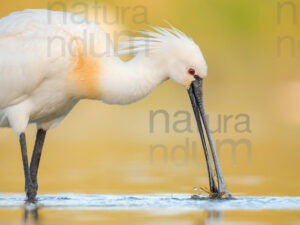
106	149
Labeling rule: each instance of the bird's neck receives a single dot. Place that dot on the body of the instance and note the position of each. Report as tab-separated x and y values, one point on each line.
128	82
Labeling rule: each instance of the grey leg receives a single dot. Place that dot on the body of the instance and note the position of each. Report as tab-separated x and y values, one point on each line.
36	156
29	188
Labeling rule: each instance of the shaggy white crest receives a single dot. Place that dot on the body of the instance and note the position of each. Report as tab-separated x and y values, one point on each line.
153	40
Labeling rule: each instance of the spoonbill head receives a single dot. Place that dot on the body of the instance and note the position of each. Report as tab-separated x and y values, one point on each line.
176	54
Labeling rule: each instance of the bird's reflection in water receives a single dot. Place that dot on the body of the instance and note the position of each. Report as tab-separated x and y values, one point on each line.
212	217
215	217
31	213
31	216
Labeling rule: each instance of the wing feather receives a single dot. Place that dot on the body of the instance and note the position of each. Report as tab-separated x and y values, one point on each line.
33	47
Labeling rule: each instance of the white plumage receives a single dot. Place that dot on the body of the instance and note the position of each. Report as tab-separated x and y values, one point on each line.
38	53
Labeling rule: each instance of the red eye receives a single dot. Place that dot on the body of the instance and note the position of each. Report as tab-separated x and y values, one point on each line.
191	71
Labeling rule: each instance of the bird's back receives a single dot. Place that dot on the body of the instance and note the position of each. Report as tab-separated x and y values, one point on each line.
36	45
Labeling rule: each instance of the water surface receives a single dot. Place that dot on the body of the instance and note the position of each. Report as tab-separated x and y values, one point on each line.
69	208
151	202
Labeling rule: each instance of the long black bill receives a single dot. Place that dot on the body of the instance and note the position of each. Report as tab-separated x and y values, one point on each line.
196	95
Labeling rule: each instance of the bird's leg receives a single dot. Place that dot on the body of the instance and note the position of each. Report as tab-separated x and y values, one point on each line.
36	156
29	188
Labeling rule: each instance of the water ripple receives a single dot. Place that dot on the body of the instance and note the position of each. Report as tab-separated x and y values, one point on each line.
150	202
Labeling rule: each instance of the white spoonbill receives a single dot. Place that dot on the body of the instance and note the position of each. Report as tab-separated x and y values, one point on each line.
49	61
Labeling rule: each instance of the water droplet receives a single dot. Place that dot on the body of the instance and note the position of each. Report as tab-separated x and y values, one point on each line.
195	188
